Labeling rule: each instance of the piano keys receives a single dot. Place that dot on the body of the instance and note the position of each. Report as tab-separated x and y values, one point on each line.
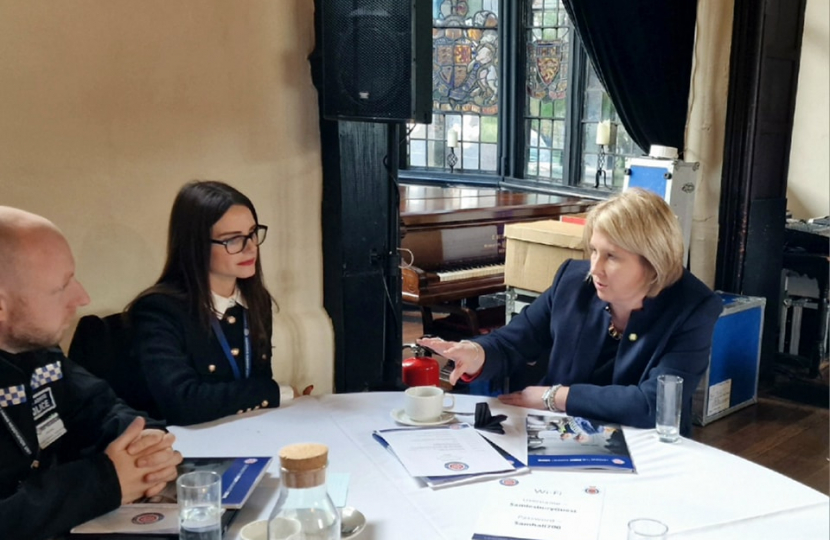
426	288
470	273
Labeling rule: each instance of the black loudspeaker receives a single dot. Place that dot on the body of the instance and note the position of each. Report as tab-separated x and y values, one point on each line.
377	60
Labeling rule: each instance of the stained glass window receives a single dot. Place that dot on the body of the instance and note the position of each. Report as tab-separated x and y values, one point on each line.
465	81
548	52
597	107
549	111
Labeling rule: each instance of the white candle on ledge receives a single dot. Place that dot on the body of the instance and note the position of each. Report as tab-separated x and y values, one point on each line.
604	133
452	139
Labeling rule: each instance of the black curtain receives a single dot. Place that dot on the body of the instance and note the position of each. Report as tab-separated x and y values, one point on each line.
642	51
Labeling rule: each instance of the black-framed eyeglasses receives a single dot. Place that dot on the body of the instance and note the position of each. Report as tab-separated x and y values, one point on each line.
237	244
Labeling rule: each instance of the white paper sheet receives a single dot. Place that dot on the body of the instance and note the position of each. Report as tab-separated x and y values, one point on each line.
539	508
450	450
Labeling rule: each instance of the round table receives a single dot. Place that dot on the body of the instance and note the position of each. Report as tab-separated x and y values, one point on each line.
698	491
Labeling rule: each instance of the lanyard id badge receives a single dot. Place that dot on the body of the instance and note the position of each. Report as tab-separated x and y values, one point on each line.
50	430
20	439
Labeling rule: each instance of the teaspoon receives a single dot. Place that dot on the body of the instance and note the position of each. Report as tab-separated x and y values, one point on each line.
352	522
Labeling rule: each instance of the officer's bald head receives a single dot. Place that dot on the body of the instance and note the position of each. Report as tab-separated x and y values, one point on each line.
39	294
21	234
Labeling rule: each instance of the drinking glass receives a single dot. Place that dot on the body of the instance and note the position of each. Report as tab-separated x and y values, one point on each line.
647	529
200	505
669	405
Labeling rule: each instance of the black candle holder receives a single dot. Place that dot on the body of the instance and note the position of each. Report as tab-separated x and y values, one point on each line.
601	168
452	159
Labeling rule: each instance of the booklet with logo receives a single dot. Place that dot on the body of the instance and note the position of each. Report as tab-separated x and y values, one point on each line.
572	442
437	482
159	515
449	455
540	508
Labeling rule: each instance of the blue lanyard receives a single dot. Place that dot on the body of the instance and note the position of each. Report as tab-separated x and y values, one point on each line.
220	335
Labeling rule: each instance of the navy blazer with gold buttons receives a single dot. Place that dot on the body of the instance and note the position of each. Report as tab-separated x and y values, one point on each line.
186	369
671	334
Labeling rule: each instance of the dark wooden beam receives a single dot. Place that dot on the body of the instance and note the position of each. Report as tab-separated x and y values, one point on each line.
765	57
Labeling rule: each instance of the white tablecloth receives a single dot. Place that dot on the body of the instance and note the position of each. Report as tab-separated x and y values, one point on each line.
698	491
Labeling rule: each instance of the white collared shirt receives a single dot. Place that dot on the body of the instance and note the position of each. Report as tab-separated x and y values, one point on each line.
221	304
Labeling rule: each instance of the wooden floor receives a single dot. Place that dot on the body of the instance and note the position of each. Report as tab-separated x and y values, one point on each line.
782	435
785	436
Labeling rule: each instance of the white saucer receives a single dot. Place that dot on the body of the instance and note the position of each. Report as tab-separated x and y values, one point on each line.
400	416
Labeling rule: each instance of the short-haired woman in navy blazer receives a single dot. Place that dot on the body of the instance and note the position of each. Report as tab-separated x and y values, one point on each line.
202	333
612	324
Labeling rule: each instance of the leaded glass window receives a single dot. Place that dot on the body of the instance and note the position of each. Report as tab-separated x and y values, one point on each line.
465	77
512	79
548	51
597	107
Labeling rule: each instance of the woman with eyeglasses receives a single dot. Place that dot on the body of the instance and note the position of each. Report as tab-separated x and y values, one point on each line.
202	333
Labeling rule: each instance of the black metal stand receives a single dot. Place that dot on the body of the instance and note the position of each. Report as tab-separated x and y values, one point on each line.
601	168
452	159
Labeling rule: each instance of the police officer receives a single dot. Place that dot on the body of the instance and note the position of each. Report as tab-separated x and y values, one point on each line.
71	449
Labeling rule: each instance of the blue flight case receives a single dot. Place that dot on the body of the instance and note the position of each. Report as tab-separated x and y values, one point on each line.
731	382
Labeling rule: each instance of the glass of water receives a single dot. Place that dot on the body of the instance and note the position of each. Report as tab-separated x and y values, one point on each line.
647	529
669	405
200	505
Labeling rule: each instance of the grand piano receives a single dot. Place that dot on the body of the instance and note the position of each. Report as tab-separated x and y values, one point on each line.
452	242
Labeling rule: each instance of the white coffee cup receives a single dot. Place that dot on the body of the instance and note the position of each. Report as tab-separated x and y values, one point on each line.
426	403
256	530
281	529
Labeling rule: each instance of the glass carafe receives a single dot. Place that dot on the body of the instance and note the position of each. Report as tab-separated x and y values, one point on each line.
304	510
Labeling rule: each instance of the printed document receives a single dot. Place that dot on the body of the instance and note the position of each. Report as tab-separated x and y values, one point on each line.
540	507
455	449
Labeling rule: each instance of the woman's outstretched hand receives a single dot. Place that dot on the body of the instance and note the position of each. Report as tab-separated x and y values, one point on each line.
468	356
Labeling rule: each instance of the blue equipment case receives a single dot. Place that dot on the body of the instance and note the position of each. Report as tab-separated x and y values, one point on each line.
731	382
671	179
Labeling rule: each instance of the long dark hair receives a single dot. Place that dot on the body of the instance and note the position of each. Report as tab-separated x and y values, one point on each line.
198	206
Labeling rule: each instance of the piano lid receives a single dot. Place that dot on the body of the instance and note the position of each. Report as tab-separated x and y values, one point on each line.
446	228
435	206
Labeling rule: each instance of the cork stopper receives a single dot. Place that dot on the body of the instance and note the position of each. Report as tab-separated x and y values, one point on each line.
304	457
